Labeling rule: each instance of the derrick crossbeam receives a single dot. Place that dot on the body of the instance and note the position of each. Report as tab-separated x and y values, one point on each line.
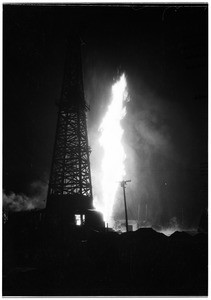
71	167
70	170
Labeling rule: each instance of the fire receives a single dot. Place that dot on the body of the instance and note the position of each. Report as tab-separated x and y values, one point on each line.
113	168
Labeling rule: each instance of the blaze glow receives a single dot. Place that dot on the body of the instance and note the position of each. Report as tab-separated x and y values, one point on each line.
113	168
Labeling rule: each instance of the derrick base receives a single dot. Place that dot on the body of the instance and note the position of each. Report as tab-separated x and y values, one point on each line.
73	211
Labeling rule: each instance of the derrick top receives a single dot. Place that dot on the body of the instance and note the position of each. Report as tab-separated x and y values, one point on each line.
72	89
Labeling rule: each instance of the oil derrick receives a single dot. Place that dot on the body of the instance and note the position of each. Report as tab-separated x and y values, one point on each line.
70	189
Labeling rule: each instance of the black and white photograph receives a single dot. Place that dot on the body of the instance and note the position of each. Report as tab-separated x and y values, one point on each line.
105	149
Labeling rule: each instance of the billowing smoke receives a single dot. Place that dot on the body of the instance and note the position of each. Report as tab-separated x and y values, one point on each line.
158	142
21	202
159	159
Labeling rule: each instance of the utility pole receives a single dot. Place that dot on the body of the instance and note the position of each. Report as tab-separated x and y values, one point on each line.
123	185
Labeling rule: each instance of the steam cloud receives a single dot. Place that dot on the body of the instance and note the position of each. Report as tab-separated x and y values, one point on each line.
21	202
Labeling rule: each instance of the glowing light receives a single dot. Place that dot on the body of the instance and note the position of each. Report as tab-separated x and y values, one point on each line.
113	169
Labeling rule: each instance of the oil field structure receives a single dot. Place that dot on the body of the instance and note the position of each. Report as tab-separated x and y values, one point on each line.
69	202
70	197
65	249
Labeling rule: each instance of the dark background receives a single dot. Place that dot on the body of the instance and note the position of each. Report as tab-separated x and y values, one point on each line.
163	51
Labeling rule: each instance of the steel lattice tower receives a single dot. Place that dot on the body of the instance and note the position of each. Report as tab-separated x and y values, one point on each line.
70	177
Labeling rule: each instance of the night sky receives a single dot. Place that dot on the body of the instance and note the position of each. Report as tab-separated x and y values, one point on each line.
163	51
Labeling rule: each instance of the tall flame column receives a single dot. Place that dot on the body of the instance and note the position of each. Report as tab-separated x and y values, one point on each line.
113	168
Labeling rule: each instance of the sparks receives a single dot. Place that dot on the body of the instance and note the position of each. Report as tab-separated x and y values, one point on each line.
113	168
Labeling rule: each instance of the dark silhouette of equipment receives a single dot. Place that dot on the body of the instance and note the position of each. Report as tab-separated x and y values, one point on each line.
123	185
70	189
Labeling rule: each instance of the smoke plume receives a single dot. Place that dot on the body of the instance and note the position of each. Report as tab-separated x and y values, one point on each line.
160	157
21	202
